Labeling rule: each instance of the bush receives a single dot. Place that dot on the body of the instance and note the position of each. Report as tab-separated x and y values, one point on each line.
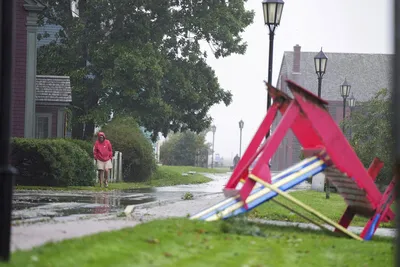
85	145
51	162
138	161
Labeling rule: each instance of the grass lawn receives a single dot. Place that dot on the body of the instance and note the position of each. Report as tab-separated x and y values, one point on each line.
180	242
164	176
332	208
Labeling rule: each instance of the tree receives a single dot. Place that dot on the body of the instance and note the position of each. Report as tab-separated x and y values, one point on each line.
371	133
143	59
138	161
183	148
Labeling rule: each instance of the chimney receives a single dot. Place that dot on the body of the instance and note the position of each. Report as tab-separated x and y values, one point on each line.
296	59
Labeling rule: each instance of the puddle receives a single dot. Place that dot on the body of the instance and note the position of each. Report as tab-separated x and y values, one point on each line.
41	205
48	204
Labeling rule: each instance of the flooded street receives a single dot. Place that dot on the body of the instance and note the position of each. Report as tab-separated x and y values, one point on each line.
34	206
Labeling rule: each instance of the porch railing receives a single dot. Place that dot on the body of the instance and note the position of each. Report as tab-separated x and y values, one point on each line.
115	174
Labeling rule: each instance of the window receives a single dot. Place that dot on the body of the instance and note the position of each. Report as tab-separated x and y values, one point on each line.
43	126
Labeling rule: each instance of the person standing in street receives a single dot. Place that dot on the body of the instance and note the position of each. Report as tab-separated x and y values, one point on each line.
103	155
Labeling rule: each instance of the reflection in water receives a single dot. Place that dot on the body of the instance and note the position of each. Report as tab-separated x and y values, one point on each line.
105	201
46	204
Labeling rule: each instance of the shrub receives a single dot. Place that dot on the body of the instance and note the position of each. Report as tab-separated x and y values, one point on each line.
138	161
51	162
85	145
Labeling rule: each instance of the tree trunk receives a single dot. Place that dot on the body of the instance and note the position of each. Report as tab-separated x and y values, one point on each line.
77	131
89	131
77	127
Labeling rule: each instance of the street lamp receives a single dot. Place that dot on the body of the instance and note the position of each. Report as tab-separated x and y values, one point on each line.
272	10
344	92
352	104
213	130
241	124
320	62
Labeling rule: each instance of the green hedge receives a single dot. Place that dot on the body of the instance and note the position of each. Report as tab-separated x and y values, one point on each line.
138	161
51	162
85	145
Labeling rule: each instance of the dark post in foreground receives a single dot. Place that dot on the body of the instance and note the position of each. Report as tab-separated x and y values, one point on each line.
395	122
6	172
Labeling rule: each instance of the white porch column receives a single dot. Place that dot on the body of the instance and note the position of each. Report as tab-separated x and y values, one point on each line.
60	122
33	9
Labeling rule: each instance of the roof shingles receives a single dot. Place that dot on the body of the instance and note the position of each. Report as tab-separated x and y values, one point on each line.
53	89
366	73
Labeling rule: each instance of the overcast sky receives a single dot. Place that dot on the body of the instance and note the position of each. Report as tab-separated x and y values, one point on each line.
357	26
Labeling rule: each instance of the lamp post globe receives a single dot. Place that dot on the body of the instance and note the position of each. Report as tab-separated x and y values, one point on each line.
345	89
272	10
241	124
352	101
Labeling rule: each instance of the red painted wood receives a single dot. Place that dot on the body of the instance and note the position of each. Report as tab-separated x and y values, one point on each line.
337	146
375	168
302	127
261	168
251	152
346	218
384	207
349	214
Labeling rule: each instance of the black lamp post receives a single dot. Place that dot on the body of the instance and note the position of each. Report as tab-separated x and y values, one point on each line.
272	17
213	130
352	104
320	62
344	92
241	124
7	42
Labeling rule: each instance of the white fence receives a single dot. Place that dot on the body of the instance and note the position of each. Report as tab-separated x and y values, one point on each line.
115	174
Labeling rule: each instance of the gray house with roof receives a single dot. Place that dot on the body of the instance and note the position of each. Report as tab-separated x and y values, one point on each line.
53	96
366	73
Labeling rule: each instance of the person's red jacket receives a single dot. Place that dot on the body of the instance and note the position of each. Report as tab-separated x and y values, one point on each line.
102	150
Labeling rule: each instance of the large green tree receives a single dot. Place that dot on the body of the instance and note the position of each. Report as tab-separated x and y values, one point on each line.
183	149
371	133
143	59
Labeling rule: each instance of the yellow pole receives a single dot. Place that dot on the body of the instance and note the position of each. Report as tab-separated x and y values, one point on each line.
301	215
304	206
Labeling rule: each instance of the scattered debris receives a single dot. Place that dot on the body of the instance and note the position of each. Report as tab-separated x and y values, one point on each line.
187	196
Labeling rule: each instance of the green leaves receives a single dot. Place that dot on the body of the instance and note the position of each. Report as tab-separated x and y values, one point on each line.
181	149
143	59
371	132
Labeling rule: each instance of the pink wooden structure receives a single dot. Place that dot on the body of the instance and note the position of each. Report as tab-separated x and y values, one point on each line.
307	116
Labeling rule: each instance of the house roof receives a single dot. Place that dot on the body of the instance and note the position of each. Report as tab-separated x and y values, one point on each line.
366	73
53	89
34	5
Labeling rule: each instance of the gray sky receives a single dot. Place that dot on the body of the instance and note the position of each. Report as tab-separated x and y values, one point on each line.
357	26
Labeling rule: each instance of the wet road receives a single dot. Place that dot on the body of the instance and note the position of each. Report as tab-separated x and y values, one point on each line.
33	206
